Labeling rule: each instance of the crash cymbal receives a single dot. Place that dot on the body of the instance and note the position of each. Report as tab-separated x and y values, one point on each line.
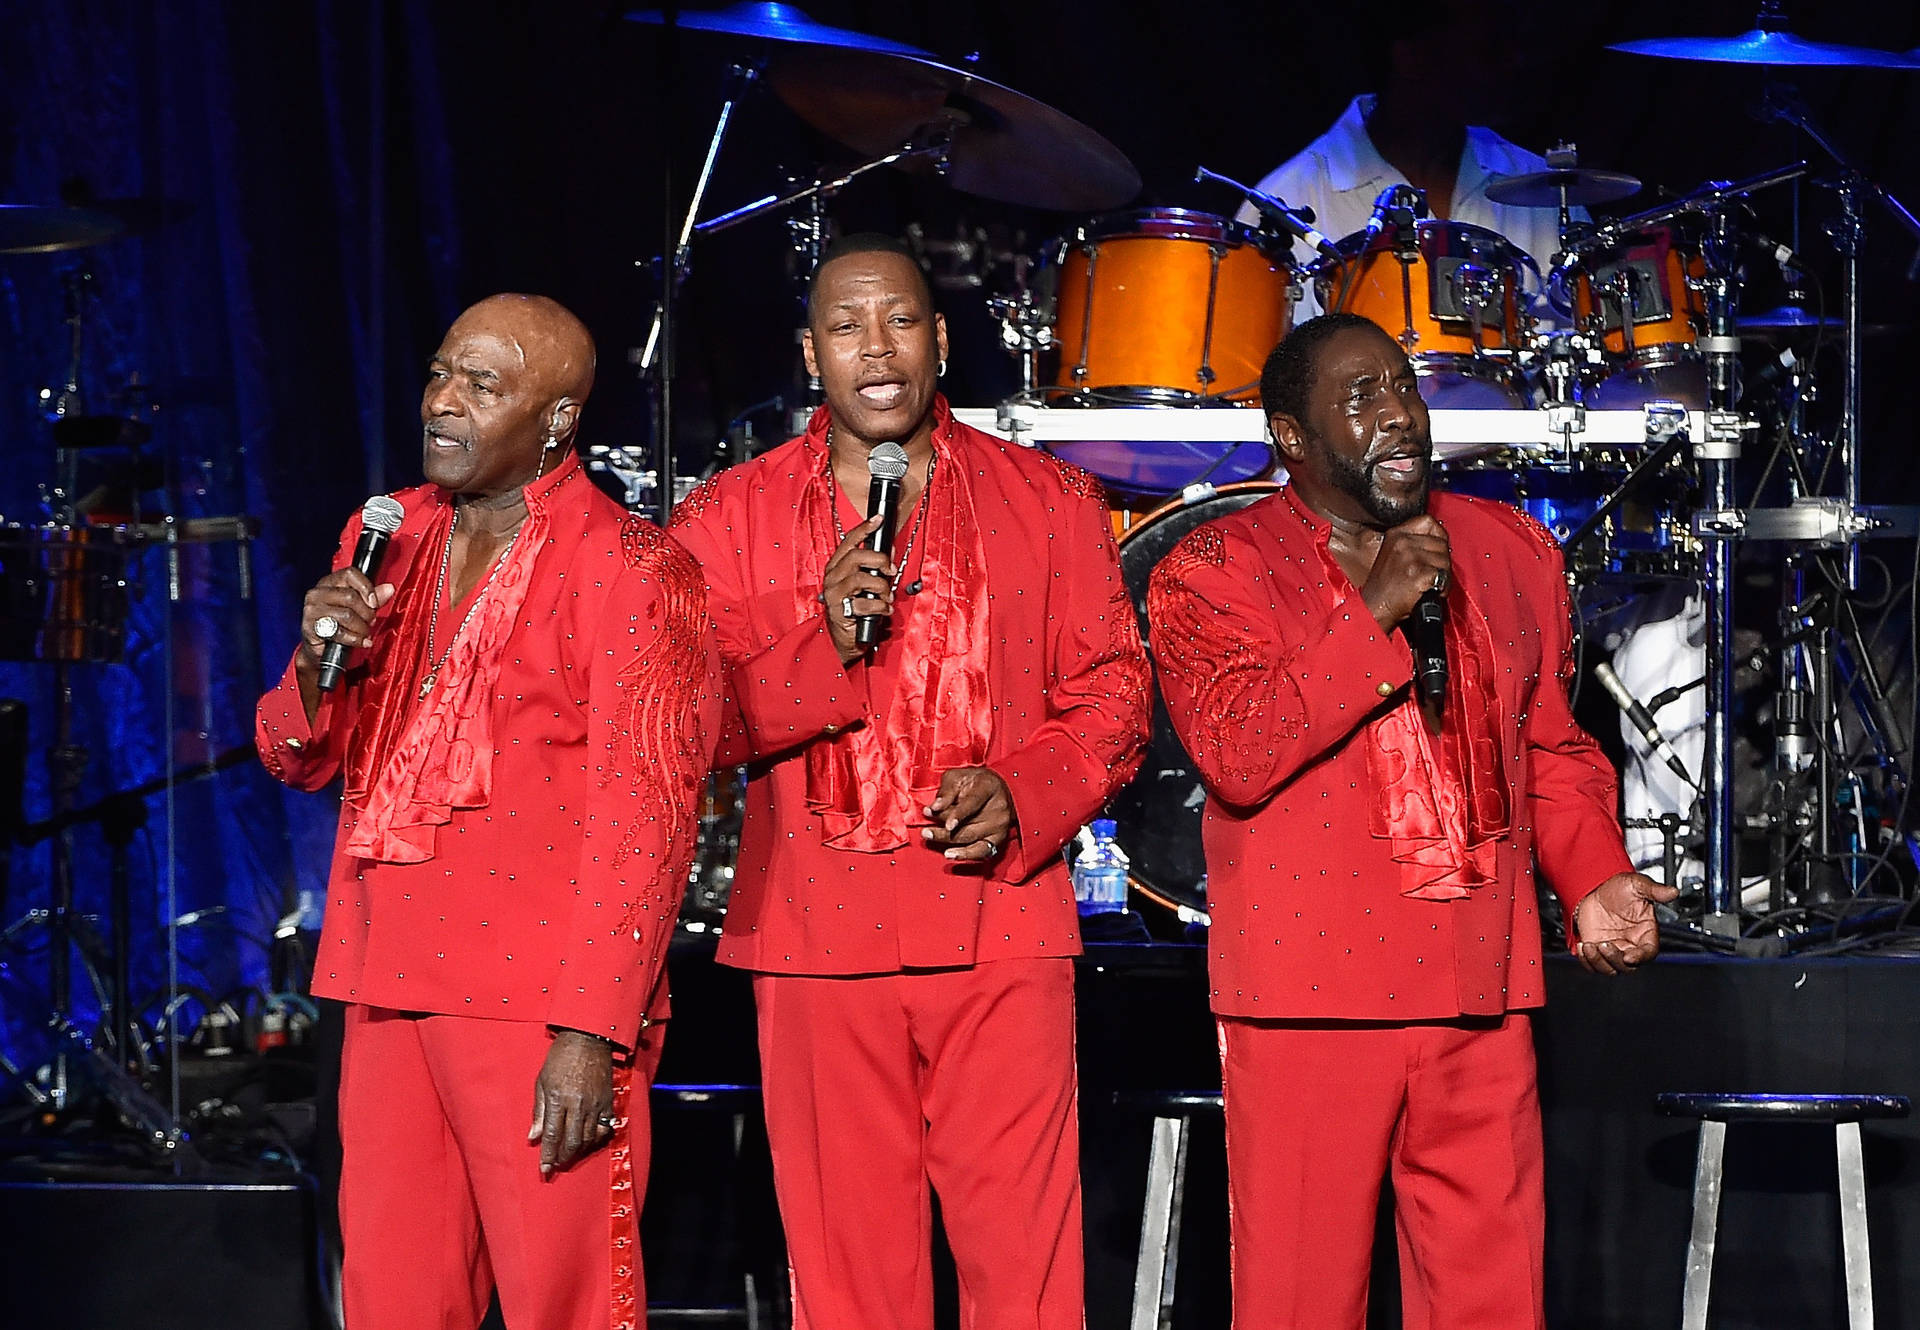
1791	320
1003	144
776	23
1584	187
1768	46
27	228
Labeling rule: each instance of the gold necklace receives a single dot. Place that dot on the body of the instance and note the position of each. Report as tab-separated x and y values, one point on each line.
439	592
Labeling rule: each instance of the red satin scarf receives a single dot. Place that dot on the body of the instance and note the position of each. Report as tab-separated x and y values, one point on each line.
868	783
417	759
1441	799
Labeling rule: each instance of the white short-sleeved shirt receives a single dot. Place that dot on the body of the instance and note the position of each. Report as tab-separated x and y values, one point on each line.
1341	173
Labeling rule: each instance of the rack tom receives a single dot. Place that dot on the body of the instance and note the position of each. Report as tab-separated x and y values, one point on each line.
1170	307
1643	299
1451	298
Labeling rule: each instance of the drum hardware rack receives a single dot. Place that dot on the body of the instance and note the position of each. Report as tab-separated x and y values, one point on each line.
1550	432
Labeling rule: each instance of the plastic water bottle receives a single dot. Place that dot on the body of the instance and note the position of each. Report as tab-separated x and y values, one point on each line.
1100	872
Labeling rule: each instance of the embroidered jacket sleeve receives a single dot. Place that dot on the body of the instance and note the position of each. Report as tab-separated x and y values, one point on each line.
650	705
1098	690
1257	687
1572	792
309	756
783	687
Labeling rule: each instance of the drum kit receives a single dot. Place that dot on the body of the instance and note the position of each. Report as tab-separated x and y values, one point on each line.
1598	388
68	585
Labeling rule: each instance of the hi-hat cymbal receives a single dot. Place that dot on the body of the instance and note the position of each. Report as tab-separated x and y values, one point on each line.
1003	144
1584	187
1764	46
776	23
27	228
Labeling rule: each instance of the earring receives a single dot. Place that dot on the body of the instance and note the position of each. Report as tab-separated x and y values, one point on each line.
550	445
940	370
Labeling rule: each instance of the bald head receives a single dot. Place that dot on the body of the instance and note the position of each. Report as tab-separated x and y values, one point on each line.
553	345
504	394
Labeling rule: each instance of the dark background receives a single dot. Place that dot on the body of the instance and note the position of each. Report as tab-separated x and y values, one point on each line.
349	175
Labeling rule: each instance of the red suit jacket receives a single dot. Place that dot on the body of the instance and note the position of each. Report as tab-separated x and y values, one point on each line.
554	901
1066	703
1271	668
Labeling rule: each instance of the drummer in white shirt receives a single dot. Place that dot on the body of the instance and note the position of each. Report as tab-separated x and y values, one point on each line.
1447	64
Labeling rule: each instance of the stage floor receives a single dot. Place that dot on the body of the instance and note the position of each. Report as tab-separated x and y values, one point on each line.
1619	1176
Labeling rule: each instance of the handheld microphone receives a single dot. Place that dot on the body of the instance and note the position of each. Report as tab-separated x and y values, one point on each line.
380	517
1642	719
887	465
1427	635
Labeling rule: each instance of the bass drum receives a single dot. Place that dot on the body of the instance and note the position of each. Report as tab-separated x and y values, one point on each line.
1159	811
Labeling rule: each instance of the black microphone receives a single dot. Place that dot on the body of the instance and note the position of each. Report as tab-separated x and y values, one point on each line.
1642	719
1296	222
1426	631
1396	205
887	464
380	517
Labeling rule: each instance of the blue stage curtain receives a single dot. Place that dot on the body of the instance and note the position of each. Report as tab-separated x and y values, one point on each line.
304	152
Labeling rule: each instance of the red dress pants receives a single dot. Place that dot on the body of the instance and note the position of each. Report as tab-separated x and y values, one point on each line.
1317	1113
441	1198
877	1086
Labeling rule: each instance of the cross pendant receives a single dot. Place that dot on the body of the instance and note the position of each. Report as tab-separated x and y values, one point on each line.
426	685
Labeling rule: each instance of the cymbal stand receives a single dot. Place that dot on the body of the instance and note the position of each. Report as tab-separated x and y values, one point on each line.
656	359
1848	234
1719	527
936	144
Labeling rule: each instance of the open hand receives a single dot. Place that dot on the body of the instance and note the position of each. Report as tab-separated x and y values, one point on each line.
1614	928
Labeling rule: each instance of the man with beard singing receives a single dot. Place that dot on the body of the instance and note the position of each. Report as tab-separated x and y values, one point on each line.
899	895
523	724
1371	856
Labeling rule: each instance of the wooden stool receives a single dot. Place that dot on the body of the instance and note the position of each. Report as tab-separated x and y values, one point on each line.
1153	1275
1845	1112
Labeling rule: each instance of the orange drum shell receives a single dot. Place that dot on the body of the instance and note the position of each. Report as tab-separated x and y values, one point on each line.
1376	292
1133	313
1680	327
1130	517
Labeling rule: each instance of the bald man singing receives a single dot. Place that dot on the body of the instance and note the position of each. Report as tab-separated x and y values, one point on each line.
521	728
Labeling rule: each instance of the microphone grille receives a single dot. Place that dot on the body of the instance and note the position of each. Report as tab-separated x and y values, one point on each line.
887	461
382	513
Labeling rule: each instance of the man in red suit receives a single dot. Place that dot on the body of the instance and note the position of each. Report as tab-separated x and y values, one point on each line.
1371	856
522	728
899	895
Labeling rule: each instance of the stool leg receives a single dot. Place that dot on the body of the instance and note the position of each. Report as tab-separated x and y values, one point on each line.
1160	1226
1706	1224
1853	1225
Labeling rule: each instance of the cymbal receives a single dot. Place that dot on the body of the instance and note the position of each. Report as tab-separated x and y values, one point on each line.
27	228
1005	145
1763	46
776	23
1791	320
1584	187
